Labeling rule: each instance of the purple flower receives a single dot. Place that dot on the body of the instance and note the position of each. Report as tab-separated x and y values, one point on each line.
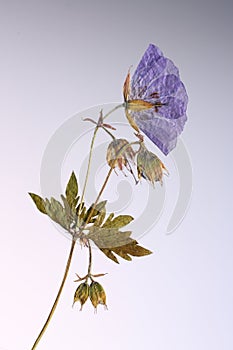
156	99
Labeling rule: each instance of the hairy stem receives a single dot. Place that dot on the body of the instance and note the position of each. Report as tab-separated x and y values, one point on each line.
57	298
89	164
91	149
74	241
107	178
113	110
90	259
99	195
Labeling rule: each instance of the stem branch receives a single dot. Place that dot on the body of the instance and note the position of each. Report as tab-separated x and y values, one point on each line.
57	298
99	195
89	164
90	259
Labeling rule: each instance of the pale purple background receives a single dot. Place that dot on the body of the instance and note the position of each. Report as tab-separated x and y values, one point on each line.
58	58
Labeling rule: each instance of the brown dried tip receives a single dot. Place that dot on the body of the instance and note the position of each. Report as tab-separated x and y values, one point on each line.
81	294
149	166
97	295
126	87
119	153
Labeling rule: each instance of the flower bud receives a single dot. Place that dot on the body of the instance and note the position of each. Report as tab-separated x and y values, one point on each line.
97	294
149	165
119	154
81	294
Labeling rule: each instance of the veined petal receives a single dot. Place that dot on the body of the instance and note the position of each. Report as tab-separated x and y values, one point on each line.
156	82
161	131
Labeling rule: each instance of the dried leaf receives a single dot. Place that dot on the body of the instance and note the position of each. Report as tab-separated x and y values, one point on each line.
100	218
96	211
108	221
39	202
57	213
108	237
72	191
110	255
134	249
110	240
121	221
125	251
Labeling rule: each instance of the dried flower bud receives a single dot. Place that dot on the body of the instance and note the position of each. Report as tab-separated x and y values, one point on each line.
119	154
97	294
149	165
81	294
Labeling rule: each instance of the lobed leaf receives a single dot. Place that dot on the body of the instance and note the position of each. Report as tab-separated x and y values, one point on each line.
108	237
108	221
110	240
57	213
125	251
39	202
72	191
121	221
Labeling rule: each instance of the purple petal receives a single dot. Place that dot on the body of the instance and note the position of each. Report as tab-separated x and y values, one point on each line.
151	66
156	80
158	74
162	132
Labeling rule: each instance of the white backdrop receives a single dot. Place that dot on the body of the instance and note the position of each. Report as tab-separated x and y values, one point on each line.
61	57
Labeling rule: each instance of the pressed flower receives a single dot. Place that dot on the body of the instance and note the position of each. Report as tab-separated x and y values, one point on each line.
81	294
97	294
149	166
119	154
156	99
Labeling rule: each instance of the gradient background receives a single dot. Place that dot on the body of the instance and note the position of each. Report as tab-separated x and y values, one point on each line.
61	57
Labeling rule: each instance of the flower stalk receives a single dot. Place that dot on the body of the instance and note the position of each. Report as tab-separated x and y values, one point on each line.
57	297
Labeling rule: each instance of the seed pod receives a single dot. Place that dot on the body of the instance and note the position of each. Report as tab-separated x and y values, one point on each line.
119	153
149	166
97	294
81	294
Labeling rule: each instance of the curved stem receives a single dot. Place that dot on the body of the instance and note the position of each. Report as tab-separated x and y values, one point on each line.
89	164
91	149
99	195
107	178
57	298
90	259
113	110
103	187
109	133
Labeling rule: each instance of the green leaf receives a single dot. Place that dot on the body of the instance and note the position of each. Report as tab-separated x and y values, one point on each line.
110	240
96	211
92	214
57	213
118	222
72	191
100	218
134	249
39	202
121	220
108	237
100	206
126	250
108	221
131	249
110	255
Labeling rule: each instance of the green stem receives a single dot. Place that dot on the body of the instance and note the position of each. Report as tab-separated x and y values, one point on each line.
90	259
74	241
57	298
109	133
91	149
99	195
89	164
107	178
113	110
